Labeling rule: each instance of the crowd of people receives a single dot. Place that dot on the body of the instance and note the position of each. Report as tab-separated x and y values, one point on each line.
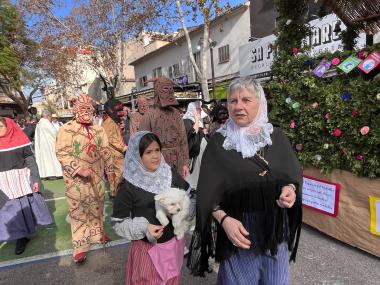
239	171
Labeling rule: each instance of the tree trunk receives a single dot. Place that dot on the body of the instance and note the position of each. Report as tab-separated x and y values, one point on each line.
21	102
200	73
205	44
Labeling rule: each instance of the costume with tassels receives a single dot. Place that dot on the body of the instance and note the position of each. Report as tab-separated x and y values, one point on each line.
84	146
111	124
243	172
166	122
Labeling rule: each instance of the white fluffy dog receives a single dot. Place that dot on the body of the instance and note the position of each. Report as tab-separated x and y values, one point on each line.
173	203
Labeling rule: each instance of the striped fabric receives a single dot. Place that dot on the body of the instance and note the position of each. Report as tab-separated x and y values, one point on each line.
15	183
245	268
140	269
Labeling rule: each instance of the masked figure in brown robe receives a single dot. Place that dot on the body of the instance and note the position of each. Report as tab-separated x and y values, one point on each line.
82	149
111	124
165	121
135	118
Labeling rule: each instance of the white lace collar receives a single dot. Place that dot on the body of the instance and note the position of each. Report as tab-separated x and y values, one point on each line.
248	140
136	174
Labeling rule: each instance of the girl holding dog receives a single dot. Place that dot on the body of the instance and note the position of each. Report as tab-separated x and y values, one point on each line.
155	255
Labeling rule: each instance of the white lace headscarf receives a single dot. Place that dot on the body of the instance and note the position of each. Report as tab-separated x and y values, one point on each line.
248	140
135	172
191	108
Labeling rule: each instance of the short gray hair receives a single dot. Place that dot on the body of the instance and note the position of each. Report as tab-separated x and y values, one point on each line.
248	83
45	113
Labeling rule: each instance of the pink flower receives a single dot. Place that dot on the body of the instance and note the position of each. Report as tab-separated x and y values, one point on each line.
337	133
295	50
314	105
364	130
360	157
335	61
354	112
298	147
362	54
292	124
326	116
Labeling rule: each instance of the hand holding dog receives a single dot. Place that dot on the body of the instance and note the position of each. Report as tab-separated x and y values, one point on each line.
155	231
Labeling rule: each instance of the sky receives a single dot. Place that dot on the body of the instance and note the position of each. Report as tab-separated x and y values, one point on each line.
67	5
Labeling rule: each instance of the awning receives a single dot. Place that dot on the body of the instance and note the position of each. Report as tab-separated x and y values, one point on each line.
361	14
220	90
6	113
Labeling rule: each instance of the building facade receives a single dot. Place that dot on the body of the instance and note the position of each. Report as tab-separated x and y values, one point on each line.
227	32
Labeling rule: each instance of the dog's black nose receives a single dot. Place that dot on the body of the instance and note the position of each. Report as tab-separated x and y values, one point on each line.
178	210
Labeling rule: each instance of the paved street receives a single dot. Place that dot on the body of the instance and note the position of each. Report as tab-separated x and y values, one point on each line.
321	260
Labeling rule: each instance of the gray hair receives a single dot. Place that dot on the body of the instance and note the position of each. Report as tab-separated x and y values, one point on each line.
248	83
45	113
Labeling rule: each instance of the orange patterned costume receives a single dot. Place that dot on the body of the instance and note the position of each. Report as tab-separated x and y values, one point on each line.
81	145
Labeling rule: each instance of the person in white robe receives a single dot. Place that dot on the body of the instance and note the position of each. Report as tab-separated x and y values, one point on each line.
45	136
56	124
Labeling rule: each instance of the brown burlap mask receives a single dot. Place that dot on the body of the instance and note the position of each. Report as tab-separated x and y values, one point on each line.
142	105
164	92
83	109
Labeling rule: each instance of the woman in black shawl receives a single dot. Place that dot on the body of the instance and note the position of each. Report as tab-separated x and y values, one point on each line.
249	209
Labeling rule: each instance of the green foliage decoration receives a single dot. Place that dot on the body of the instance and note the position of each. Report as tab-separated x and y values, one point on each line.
350	151
291	26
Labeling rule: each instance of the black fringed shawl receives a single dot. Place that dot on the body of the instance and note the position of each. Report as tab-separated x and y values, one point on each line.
234	183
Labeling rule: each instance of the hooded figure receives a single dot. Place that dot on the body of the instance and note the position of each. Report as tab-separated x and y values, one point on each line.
83	150
112	126
142	108
193	120
219	117
164	120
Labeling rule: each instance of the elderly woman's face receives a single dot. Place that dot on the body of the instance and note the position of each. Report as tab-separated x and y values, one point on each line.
3	129
243	106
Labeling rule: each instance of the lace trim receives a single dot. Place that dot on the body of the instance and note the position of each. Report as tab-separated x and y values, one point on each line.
242	141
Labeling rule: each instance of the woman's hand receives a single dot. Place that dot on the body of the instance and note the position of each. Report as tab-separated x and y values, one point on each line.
236	232
287	197
35	187
155	231
185	171
234	229
197	118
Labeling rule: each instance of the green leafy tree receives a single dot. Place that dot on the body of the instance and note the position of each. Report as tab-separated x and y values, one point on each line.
292	26
17	54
